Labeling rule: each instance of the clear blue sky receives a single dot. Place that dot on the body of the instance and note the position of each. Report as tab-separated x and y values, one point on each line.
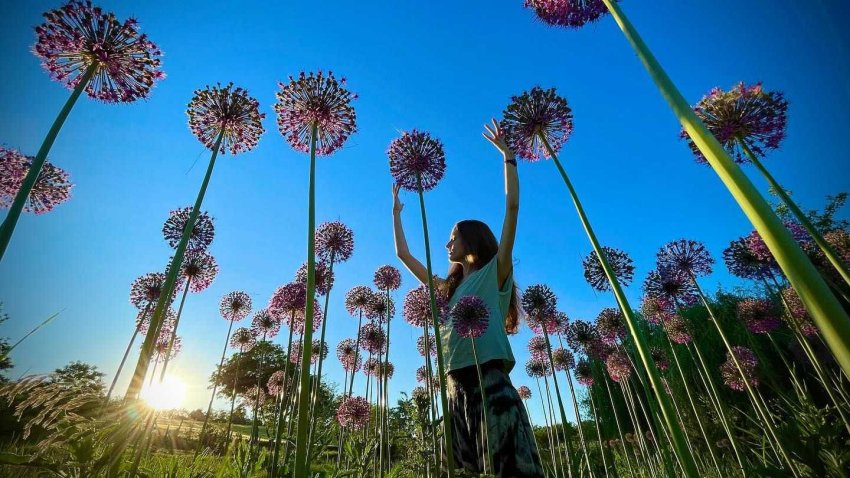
445	67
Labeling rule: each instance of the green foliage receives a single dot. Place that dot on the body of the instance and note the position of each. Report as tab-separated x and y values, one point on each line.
823	221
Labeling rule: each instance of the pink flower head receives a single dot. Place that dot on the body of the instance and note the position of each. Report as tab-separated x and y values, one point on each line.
381	308
296	320
319	350
243	339
227	112
584	374
202	233
534	114
523	392
432	346
536	368
287	300
563	359
677	329
798	312
235	305
372	367
743	262
386	370
52	185
78	36
264	324
295	351
611	325
254	395
470	317
417	160
619	366
659	356
346	352
620	262
387	278
417	307
161	346
762	253
732	376
372	338
275	383
353	413
540	303
146	289
674	285
334	240
421	374
583	337
691	257
537	348
199	268
759	315
324	277
656	309
315	100
358	299
567	13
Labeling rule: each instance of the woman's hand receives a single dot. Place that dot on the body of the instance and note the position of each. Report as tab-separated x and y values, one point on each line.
397	205
496	136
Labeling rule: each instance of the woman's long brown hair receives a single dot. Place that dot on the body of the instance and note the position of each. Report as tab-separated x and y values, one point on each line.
481	246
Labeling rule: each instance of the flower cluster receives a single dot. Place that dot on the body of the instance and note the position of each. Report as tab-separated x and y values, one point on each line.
672	284
583	337
52	185
372	338
353	413
656	310
324	277
732	377
537	368
798	312
387	278
334	240
677	330
417	307
319	350
288	300
584	374
611	325
743	263
243	339
346	352
619	366
535	114
432	346
567	13
235	305
621	265
264	324
381	309
417	161
563	359
523	392
759	315
145	290
199	268
229	114
538	349
421	399
539	302
691	257
470	316
358	299
660	358
254	395
200	237
275	383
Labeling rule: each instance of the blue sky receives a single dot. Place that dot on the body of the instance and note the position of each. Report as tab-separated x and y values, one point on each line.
444	67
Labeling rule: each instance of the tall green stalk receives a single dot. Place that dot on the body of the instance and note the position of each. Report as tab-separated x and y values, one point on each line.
173	335
676	433
447	418
126	353
552	449
317	383
233	396
598	431
8	227
255	429
617	420
429	386
385	388
283	392
824	308
558	395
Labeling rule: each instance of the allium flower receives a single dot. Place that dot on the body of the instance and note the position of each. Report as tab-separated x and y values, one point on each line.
656	309
243	339
584	374
672	284
346	352
688	256
583	337
228	112
254	395
146	289
372	338
677	329
78	35
839	239
353	413
539	302
143	322
470	316
372	367
199	268
275	383
760	250
759	315
611	325
620	262
334	239
523	392
386	370
567	13
744	113
421	399
295	321
743	263
160	347
538	349
417	159
799	313
619	366
324	277
380	309
202	233
235	305
417	307
420	345
263	324
52	186
295	351
659	356
421	374
319	350
563	359
287	300
537	368
319	100
357	299
748	361
387	278
534	113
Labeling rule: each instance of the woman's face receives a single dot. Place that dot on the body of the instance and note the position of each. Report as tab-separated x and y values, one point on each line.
455	247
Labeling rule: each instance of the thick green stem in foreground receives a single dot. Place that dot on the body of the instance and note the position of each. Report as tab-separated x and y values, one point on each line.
17	206
822	305
676	434
173	336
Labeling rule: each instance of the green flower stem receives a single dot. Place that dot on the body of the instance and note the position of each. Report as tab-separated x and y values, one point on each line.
173	336
255	429
637	429
827	249
558	396
368	400
165	295
676	433
578	418
824	308
617	421
598	431
17	206
126	353
798	387
292	407
233	396
386	423
356	354
447	417
549	432
429	386
317	383
562	455
284	392
488	457
212	397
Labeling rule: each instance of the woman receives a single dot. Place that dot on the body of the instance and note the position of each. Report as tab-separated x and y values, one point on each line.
483	267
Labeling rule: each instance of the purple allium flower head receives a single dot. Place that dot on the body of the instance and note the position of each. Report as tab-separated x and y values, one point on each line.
202	233
743	263
254	395
762	253
287	300
346	352
619	366
689	256
78	35
387	278
324	277
353	413
295	320
611	325
334	239
420	346
420	398
567	13
659	356
470	316
380	308
620	262
372	367
563	359
146	289
357	299
386	370
229	112
295	351
798	312
671	284
584	374
539	303
744	113
52	185
421	374
759	315
275	383
160	347
264	324
235	305
199	268
537	368
243	339
523	392
656	309
318	350
730	373
416	158
677	329
417	306
537	348
554	323
583	337
372	337
535	113
320	100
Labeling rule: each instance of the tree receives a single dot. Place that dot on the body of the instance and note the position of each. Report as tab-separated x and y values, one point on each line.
823	221
79	376
5	361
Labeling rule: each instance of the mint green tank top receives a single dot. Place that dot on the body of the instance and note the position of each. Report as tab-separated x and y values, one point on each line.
493	344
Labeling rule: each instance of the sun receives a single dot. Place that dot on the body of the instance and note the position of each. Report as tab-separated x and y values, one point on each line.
165	395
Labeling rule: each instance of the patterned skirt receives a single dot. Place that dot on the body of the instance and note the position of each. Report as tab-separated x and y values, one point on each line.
511	438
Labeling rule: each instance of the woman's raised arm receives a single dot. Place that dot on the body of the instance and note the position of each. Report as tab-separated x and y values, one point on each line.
505	264
413	265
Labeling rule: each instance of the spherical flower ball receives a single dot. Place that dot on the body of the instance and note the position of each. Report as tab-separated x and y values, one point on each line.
743	263
79	36
421	399
52	185
200	237
243	339
387	278
346	352
386	370
523	392
659	356
372	367
145	290
611	325
254	395
357	299
228	113
235	305
746	114
563	359
760	250
334	240
759	315
534	114
324	277
380	309
421	374
656	309
288	300
732	376
537	368
619	366
199	268
621	265
295	351
275	383
353	413
688	256
539	303
677	330
583	372
432	346
417	161
417	307
538	349
161	346
798	312
263	324
318	100
297	320
582	336
567	13
470	316
672	284
372	338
